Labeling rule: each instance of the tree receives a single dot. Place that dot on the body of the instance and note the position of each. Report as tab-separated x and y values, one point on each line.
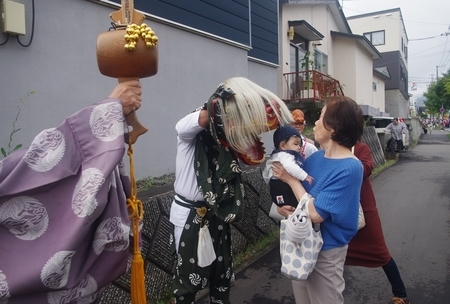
438	95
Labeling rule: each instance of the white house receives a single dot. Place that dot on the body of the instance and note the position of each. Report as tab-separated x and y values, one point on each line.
320	29
387	32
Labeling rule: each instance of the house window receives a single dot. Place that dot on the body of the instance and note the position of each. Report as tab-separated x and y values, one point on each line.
374	86
320	62
297	53
377	38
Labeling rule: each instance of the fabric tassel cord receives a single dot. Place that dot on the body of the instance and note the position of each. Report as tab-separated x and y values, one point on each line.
136	212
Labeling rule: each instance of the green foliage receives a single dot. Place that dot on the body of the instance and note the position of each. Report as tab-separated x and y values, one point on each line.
150	181
167	298
381	168
308	131
306	62
258	247
10	149
438	95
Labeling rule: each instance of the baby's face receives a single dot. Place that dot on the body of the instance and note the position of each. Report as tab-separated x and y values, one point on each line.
294	143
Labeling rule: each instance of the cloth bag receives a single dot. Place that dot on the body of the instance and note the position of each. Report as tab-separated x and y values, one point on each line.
299	259
297	226
205	249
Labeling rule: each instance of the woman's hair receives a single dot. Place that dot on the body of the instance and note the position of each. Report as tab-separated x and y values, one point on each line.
245	114
345	117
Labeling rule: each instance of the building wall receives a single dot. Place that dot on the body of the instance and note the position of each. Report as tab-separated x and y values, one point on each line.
353	68
394	54
60	66
252	23
378	100
345	70
390	21
396	66
396	104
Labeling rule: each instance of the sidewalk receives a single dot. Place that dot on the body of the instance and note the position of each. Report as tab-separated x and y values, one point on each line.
261	282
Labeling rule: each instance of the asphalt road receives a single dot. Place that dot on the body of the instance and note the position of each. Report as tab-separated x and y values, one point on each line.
413	198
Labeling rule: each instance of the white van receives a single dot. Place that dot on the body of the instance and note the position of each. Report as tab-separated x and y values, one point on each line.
380	122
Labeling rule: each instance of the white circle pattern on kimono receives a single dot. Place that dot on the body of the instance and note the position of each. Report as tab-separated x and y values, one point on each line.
46	150
106	121
111	235
55	273
112	180
83	200
83	293
122	169
4	288
25	217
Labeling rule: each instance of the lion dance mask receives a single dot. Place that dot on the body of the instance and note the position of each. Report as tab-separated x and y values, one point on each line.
239	112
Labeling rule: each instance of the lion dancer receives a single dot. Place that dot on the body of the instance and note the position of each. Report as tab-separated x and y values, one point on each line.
208	186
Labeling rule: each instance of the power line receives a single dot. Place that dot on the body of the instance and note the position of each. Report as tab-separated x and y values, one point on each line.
443	53
441	35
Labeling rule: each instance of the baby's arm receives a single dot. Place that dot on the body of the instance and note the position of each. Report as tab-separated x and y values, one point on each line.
291	166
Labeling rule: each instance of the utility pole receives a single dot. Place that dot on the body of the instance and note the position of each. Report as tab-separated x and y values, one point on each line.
437	73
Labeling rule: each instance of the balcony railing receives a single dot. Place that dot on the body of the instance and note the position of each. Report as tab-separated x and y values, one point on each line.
310	85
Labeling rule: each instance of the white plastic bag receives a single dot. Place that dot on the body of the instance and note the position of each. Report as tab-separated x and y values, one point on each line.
205	250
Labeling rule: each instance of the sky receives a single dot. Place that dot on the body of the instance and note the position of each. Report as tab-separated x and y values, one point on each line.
427	25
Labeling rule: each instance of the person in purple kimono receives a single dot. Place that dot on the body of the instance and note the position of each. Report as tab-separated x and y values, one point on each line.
64	225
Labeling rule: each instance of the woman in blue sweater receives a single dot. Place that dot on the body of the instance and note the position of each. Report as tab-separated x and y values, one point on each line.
335	195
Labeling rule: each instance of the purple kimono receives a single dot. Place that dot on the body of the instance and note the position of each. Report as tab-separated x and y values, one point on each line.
64	226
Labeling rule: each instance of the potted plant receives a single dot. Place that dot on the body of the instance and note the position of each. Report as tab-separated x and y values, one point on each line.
308	64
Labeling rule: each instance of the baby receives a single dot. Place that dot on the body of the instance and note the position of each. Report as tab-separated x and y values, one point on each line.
288	142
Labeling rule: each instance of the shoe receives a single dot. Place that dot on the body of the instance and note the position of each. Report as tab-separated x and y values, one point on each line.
396	300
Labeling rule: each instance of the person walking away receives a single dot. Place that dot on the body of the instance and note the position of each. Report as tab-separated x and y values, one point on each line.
334	202
368	247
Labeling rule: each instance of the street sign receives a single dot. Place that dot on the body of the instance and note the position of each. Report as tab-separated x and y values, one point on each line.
442	110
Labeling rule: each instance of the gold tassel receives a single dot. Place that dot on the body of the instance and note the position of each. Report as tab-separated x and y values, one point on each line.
136	212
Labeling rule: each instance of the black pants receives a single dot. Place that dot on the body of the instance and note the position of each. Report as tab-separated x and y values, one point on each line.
394	277
395	145
399	145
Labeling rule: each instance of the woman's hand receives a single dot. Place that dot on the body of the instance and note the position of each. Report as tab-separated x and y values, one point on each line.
280	173
295	184
285	210
130	93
